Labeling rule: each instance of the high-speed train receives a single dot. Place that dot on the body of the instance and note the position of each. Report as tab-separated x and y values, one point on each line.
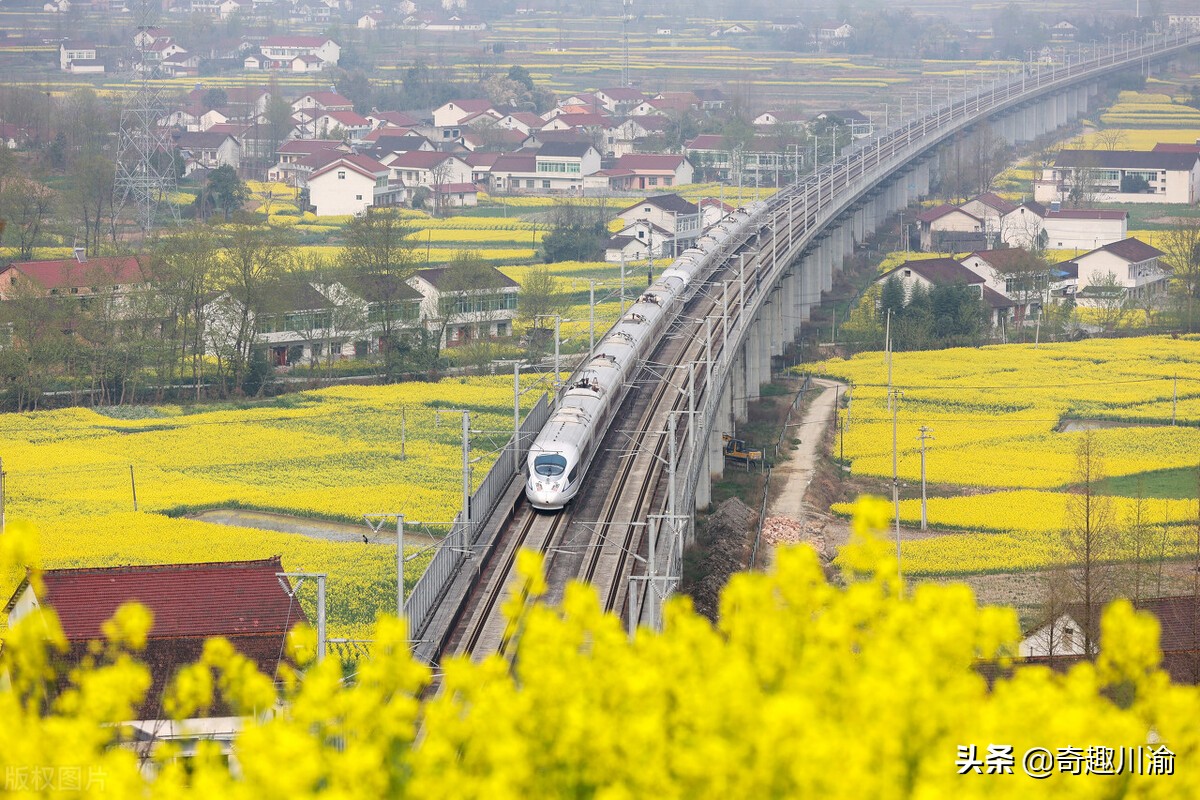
560	455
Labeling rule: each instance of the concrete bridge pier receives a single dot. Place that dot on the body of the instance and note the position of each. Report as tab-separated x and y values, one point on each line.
723	423
737	381
1062	111
703	451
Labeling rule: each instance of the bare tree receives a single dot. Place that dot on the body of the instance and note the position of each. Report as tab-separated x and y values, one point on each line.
1109	298
1089	540
375	264
1110	139
28	206
1181	247
538	302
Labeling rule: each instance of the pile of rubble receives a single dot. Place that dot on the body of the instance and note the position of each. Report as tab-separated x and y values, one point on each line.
785	530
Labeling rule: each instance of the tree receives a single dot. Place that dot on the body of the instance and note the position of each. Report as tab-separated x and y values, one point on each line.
28	206
91	196
1026	276
252	257
376	261
1110	139
538	302
577	233
1090	539
184	269
1181	249
223	190
1108	296
467	299
214	98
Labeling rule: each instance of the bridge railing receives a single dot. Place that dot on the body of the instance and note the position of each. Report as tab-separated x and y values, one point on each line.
460	542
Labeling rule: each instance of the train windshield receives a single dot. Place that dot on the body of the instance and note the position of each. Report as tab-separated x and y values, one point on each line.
550	466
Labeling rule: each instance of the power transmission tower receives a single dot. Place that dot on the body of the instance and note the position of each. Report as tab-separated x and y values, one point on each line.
145	165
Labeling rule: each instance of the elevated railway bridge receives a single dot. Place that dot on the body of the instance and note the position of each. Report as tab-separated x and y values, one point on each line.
626	531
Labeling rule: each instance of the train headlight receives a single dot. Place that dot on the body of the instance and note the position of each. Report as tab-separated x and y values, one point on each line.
539	486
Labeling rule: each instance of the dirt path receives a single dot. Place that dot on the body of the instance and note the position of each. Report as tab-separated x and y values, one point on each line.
316	528
791	477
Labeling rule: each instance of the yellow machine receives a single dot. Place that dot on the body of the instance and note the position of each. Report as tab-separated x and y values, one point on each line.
736	450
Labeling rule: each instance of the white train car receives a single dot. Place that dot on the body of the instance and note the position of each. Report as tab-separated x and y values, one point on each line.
559	457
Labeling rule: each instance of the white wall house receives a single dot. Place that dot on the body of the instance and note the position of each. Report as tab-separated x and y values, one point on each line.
1133	263
937	222
1121	176
279	51
463	315
678	217
79	59
350	184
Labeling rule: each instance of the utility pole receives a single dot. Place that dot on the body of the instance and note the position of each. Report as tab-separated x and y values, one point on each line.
1174	398
376	527
133	486
887	346
320	578
591	315
403	431
923	437
622	284
516	418
894	395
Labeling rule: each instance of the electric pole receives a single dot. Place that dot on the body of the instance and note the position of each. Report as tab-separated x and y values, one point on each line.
924	437
894	396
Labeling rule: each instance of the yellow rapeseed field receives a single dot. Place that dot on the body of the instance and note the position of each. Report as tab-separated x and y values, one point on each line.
333	453
1000	462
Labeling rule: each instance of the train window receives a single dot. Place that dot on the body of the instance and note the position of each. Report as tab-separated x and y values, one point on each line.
550	466
572	476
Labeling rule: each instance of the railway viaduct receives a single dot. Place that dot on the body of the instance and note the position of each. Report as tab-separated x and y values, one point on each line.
739	316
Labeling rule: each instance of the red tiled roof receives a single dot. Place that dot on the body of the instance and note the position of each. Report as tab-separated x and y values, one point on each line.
1176	147
937	270
419	159
583	120
361	164
481	159
308	146
636	161
1132	250
397	118
929	215
993	200
67	272
327	99
227	598
347	119
514	162
707	141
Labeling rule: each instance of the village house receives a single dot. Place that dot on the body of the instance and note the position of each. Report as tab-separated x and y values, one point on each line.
619	100
349	184
246	602
559	167
79	58
1074	635
113	278
933	272
322	101
642	171
428	168
294	165
1121	176
1034	226
1130	264
677	218
949	228
207	150
295	53
461	314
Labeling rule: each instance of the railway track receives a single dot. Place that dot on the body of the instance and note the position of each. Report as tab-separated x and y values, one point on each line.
601	532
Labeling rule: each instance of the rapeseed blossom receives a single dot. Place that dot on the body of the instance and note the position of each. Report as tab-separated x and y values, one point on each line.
803	689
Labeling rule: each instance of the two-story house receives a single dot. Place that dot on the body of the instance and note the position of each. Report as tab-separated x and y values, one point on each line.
679	218
1133	265
79	58
208	150
349	184
461	314
1121	176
